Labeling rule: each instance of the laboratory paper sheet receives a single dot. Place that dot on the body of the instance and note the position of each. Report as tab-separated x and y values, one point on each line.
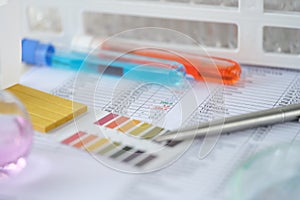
199	173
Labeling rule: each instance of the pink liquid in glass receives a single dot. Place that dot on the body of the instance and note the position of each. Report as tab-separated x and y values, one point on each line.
15	143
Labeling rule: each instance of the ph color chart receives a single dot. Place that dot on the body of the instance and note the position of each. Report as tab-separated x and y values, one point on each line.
120	151
130	126
133	127
105	147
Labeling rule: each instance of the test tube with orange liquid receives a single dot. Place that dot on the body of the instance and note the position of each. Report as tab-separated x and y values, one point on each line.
200	67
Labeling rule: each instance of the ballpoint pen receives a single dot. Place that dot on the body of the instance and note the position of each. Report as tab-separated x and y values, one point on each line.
236	123
128	66
200	67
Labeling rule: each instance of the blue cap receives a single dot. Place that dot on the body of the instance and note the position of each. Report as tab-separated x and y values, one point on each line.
36	53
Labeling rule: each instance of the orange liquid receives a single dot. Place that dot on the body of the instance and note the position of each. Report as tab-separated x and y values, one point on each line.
205	68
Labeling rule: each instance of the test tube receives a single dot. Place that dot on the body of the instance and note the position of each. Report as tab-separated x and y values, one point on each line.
128	66
199	67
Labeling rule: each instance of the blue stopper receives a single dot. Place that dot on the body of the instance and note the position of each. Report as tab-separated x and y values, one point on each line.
36	53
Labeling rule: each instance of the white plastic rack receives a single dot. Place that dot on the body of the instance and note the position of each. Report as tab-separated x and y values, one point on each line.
258	32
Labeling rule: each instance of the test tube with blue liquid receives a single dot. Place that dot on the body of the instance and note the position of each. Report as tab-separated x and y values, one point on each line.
129	66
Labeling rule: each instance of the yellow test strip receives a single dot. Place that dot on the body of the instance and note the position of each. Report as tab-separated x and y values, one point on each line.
77	108
39	103
41	125
39	112
140	129
97	144
42	95
46	111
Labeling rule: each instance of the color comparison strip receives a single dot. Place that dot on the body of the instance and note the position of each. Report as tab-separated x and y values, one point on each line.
129	126
46	111
104	147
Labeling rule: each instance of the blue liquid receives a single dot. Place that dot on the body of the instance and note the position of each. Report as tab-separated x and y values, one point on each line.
127	66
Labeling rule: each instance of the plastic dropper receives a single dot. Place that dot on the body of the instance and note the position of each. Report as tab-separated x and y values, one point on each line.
127	66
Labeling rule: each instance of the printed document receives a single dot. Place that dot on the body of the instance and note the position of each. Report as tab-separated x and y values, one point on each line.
200	169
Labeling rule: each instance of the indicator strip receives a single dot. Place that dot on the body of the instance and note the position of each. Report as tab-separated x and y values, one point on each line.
129	125
84	141
140	129
117	122
121	152
97	144
46	111
152	133
108	148
106	119
73	137
133	156
145	161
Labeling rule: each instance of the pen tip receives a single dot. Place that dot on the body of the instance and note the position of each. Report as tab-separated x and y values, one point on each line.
165	137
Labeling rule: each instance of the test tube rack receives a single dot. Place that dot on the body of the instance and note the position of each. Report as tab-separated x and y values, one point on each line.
257	32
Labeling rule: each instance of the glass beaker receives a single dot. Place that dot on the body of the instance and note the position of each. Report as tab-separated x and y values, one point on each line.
16	135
